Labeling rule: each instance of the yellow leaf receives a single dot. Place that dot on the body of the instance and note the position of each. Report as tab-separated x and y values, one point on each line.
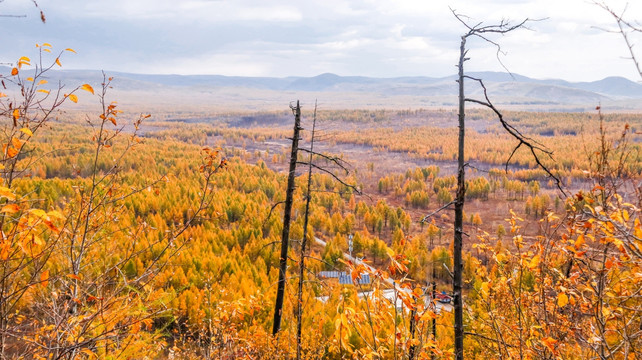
87	87
2	95
29	79
44	278
14	71
71	50
58	62
43	91
485	288
24	61
73	98
10	208
47	50
46	44
534	263
43	81
562	299
16	114
40	214
55	215
6	192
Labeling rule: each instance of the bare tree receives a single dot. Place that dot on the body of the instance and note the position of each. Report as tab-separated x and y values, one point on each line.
342	166
625	28
483	32
287	215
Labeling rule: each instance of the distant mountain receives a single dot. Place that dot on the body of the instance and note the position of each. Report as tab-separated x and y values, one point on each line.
504	88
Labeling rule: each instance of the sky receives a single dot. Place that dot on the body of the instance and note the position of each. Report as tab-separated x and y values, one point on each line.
278	38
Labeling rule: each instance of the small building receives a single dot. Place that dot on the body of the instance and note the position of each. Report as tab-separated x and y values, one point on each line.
344	277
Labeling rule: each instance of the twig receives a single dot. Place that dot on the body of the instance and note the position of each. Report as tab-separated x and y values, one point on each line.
423	220
532	144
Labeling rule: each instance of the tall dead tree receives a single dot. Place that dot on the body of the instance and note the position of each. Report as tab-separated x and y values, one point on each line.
483	32
287	215
331	166
299	312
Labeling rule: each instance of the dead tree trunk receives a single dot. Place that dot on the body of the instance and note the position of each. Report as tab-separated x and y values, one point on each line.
483	32
299	313
287	212
459	213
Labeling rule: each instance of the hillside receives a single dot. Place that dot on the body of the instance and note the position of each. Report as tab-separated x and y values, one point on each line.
270	93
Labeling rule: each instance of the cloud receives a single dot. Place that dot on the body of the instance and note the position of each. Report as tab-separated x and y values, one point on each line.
361	37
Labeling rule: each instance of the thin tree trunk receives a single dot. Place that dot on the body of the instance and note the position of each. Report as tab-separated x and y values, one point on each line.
285	235
299	313
432	297
459	215
413	330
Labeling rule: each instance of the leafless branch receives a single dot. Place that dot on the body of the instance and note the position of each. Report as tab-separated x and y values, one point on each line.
270	213
353	187
504	26
530	143
624	28
423	220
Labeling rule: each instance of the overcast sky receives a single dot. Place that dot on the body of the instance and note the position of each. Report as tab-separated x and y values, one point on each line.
380	38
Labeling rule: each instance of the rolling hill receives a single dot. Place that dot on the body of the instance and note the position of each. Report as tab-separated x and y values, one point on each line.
255	93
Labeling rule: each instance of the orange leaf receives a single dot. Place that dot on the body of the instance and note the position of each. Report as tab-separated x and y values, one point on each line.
16	114
16	143
46	44
73	276
2	95
549	343
11	152
58	62
579	242
44	278
73	98
562	299
10	208
43	91
50	225
87	87
43	81
71	50
4	251
113	121
14	71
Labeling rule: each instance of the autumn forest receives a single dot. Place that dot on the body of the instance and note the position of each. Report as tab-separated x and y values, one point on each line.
201	233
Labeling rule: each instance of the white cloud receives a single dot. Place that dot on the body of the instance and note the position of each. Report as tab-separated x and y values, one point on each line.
360	37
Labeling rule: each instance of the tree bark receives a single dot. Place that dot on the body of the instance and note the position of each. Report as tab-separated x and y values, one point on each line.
459	214
299	314
285	235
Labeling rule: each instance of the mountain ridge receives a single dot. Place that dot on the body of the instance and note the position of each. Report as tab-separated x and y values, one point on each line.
505	88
